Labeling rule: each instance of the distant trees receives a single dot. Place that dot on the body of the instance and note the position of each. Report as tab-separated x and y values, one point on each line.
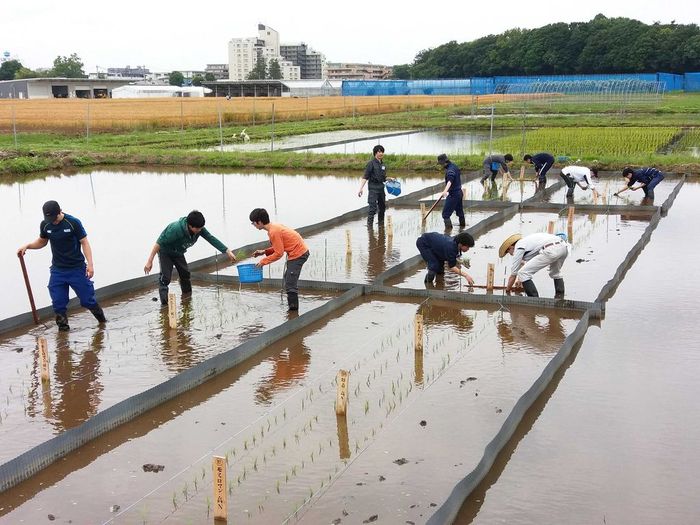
197	80
68	67
209	77
176	78
9	69
259	71
274	70
602	45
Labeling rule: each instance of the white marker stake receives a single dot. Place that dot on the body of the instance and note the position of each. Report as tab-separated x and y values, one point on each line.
44	359
172	311
418	335
341	399
218	465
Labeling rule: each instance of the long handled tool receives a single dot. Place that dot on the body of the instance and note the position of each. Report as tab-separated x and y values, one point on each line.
432	207
497	287
29	288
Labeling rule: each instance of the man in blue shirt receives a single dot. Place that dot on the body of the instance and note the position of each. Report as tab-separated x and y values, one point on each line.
542	162
438	249
68	264
648	179
452	193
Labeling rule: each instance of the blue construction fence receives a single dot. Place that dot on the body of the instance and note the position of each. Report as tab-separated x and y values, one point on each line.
502	84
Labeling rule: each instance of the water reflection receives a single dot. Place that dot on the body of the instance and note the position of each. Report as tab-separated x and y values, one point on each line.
288	367
543	332
377	249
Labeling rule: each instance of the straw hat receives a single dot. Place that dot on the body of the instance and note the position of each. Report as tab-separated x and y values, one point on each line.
510	241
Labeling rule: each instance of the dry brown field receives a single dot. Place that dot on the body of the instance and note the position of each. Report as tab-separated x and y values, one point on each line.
168	113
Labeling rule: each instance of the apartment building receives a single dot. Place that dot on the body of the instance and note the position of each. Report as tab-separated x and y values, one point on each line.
244	53
348	71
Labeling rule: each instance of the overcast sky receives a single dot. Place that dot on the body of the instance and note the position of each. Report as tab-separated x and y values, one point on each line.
165	36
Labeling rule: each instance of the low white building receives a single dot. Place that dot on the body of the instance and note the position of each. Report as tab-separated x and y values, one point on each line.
136	91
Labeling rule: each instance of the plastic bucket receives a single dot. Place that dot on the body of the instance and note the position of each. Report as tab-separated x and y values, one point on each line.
393	187
495	166
249	273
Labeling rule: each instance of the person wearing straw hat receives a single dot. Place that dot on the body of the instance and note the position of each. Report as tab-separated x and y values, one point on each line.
171	246
496	161
71	262
452	193
647	179
282	240
436	249
530	255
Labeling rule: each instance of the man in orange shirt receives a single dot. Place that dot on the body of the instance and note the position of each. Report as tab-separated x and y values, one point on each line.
282	239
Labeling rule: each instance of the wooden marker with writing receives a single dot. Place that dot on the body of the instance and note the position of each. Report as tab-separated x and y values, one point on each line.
44	359
172	311
490	270
341	399
418	335
218	466
348	244
389	227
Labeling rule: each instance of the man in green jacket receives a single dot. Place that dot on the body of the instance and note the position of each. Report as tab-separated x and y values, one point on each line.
171	247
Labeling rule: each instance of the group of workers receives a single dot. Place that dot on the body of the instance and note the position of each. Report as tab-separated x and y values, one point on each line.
72	262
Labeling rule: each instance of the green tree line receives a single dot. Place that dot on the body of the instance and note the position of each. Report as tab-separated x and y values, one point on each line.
603	45
64	67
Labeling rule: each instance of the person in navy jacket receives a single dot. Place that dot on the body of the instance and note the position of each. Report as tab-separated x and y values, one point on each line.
452	193
542	162
438	249
646	178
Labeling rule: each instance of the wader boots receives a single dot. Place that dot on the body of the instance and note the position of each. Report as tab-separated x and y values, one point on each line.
462	223
62	323
99	314
530	288
429	277
448	224
558	288
292	301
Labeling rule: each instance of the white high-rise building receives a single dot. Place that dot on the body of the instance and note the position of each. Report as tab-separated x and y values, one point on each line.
244	53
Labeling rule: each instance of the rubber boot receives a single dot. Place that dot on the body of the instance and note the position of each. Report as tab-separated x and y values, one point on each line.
292	301
370	221
558	288
462	223
448	224
62	323
99	314
186	287
429	277
530	288
163	294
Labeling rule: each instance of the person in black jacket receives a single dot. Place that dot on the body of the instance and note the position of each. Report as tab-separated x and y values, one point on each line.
375	177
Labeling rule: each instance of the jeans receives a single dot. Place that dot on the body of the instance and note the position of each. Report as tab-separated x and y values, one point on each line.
61	279
649	188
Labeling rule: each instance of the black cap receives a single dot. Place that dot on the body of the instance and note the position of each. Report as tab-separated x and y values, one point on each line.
51	209
442	158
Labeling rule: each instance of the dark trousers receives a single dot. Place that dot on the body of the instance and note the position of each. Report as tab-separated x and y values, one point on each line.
377	204
453	204
485	176
571	184
166	272
291	274
61	279
542	174
649	188
434	263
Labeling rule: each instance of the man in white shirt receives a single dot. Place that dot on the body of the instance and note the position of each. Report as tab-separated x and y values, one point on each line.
577	175
530	255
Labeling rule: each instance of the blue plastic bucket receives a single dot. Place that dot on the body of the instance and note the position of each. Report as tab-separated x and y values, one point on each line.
249	273
495	166
393	187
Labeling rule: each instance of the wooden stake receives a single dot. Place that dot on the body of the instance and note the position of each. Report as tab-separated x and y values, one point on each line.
550	227
348	244
490	269
571	215
522	172
422	212
44	359
343	438
172	311
341	398
418	333
570	232
389	227
218	466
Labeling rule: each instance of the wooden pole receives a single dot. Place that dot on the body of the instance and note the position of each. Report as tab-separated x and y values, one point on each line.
348	244
389	227
418	333
44	360
550	227
29	288
570	232
522	172
343	437
422	211
172	311
218	466
490	269
341	399
571	215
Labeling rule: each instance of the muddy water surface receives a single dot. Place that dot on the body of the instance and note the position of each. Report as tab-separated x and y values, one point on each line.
124	211
273	418
617	442
93	368
599	244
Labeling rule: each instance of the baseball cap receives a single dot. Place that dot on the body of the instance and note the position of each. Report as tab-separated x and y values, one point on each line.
442	158
51	209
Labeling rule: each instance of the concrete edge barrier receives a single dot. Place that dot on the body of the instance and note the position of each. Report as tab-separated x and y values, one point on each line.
277	284
41	456
349	141
448	511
